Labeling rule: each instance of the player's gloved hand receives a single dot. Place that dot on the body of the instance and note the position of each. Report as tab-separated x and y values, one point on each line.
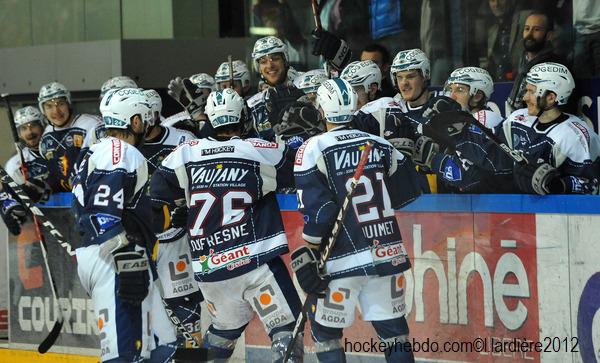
439	104
13	213
38	190
299	118
403	144
134	278
304	264
332	48
539	179
425	150
188	95
278	99
179	217
580	185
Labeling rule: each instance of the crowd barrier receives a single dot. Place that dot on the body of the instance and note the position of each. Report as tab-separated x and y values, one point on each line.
495	278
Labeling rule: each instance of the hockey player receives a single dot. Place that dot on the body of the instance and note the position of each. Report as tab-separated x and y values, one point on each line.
365	78
309	82
114	215
472	87
117	82
173	261
241	77
30	126
62	140
235	227
271	62
367	262
562	151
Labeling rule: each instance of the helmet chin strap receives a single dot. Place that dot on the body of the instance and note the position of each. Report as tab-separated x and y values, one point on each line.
540	102
419	96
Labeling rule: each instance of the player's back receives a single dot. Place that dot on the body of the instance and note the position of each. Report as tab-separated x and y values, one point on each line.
236	224
370	223
111	180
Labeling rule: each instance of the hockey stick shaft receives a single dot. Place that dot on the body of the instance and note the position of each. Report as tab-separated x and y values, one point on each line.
316	10
55	331
335	231
516	155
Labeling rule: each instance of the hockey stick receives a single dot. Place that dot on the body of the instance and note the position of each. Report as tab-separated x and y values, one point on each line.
58	324
450	117
335	231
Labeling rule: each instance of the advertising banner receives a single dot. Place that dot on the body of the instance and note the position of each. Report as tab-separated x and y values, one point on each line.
33	311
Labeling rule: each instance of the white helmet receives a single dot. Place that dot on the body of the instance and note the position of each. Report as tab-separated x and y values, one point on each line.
240	72
117	83
51	91
478	79
118	106
293	73
552	77
155	103
268	45
409	59
203	80
362	73
28	114
310	81
338	100
224	107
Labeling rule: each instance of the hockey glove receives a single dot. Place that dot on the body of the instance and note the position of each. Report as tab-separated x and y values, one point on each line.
179	217
278	99
188	95
439	104
334	49
134	279
305	265
13	213
403	144
38	190
539	179
299	119
425	150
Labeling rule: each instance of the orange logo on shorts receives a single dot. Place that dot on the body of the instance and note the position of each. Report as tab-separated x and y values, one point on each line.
180	266
400	281
337	296
265	299
100	323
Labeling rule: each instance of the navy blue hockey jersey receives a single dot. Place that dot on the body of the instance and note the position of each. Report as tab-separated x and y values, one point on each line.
110	188
370	242
234	221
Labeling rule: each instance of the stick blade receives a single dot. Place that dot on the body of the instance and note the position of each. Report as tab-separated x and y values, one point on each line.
51	338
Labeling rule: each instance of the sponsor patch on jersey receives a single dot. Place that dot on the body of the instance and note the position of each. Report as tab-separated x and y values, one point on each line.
481	117
103	222
583	130
520	118
349	136
452	171
231	259
264	144
116	151
300	153
474	129
77	140
294	142
218	150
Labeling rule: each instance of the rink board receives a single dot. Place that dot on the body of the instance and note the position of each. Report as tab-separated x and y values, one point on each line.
476	274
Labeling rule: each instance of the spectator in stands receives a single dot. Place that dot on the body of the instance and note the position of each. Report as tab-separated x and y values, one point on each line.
537	48
381	56
503	47
586	20
278	15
